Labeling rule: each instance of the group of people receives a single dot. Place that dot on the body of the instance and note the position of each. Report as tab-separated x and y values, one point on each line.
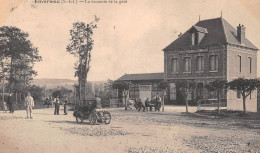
28	104
148	104
57	103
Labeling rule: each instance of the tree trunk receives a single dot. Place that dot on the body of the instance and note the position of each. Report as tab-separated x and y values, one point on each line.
16	97
163	102
218	102
244	105
125	104
187	103
11	76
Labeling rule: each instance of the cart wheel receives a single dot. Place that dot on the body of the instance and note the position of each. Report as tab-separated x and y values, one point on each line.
93	118
79	119
107	117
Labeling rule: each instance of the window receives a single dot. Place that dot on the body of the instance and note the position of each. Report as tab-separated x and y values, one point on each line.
196	38
238	95
213	62
193	39
174	65
187	64
250	64
240	63
200	63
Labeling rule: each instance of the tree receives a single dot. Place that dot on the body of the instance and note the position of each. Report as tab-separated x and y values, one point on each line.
218	86
186	87
163	86
245	87
20	57
123	87
36	92
81	44
57	93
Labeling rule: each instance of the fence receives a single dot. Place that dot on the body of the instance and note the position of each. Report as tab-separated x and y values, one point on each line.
209	104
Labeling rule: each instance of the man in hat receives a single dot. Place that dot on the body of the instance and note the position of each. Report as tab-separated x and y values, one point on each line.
29	104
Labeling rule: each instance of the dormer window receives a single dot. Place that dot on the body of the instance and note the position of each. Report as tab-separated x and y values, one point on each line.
197	34
194	38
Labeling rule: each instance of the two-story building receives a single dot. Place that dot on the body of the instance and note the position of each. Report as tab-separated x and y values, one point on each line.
212	49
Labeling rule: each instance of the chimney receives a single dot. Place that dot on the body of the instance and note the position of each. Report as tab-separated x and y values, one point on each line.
241	33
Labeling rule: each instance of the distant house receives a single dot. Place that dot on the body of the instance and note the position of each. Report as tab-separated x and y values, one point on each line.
143	85
210	49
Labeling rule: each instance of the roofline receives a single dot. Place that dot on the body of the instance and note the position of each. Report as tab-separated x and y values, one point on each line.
144	73
197	47
209	19
140	74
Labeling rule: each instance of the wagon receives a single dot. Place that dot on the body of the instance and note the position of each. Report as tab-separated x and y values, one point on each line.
91	113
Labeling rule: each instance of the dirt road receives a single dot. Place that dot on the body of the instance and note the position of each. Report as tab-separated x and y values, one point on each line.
129	131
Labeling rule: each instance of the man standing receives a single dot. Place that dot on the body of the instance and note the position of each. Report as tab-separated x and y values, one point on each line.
65	106
57	106
157	102
10	103
29	104
98	101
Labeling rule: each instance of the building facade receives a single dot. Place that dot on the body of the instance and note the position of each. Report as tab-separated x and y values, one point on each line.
143	85
211	49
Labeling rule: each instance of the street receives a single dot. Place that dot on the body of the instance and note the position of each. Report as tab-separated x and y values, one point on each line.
129	131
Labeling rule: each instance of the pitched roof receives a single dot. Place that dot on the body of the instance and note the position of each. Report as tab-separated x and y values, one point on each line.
200	29
143	76
219	31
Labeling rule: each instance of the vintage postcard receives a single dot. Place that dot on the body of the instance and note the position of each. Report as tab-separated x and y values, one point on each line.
134	76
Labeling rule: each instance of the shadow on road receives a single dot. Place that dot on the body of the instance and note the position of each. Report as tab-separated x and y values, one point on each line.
70	122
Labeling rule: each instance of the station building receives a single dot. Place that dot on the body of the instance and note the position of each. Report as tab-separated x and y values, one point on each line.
210	49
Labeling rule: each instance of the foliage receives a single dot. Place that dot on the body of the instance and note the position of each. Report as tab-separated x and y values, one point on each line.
121	85
81	44
245	87
17	58
36	92
217	85
185	87
163	85
57	93
61	92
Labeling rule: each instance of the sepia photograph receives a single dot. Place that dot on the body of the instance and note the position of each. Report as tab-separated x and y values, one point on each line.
129	76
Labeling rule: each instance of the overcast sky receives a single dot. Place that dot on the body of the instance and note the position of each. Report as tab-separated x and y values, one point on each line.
129	38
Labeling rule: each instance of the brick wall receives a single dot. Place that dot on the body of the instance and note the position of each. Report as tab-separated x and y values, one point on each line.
217	50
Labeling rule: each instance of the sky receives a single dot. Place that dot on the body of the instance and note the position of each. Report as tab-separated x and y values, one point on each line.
130	36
